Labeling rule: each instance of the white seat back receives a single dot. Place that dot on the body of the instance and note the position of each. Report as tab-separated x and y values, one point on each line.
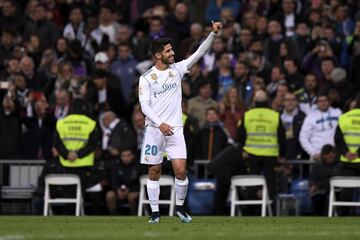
341	182
249	181
63	179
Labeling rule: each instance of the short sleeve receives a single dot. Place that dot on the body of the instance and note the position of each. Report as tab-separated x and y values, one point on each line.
144	89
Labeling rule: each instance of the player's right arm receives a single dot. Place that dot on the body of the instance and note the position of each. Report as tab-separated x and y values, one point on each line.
144	99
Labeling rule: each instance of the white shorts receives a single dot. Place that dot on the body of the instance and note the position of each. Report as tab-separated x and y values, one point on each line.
155	144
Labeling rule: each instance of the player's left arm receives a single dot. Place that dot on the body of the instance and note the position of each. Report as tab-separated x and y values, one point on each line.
204	47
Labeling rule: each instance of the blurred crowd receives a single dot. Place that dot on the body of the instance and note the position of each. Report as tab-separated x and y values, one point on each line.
303	53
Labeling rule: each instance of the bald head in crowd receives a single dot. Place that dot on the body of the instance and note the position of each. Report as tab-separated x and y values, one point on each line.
261	97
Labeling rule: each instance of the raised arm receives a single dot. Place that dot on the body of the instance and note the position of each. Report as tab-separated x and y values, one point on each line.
204	47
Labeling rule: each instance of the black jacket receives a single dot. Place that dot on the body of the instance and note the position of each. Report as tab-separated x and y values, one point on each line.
115	100
10	135
122	137
201	143
38	137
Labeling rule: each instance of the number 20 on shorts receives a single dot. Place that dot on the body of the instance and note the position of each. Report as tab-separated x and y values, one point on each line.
151	149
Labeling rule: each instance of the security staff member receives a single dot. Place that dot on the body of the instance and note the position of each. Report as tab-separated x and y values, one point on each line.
347	141
263	139
75	141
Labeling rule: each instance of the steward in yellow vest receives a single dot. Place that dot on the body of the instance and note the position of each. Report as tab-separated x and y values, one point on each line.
263	139
347	141
347	136
75	137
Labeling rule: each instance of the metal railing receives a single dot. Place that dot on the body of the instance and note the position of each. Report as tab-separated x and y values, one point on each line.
21	177
298	162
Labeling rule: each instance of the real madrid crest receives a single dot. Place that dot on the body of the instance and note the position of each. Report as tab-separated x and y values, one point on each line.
171	74
154	76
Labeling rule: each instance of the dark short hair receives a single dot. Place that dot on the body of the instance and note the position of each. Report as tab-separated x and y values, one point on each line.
212	109
80	106
326	149
323	94
158	45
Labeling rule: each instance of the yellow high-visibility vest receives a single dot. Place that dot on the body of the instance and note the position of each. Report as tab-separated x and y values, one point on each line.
349	124
261	126
74	131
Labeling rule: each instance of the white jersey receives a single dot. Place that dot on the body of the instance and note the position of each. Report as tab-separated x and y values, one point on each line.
160	91
163	89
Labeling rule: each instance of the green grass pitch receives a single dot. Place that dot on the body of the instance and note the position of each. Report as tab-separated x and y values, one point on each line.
203	228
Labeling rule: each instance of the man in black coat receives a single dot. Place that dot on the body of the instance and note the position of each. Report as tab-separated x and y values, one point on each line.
40	131
10	130
105	95
212	138
40	26
117	136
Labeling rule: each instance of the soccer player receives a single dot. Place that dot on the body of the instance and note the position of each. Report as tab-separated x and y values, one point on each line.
160	100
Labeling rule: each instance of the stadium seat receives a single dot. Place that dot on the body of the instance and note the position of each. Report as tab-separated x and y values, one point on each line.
165	180
63	179
341	182
249	181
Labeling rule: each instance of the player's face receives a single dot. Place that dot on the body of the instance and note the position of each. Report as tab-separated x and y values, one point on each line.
167	55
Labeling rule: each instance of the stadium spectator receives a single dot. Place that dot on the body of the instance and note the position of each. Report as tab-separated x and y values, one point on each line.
105	32
177	24
62	104
39	132
124	67
10	130
10	16
40	26
138	123
197	105
294	79
347	143
221	78
292	118
191	81
67	80
75	28
243	81
308	94
191	128
211	138
264	142
342	86
277	78
272	44
36	81
117	135
232	111
319	127
214	8
8	39
104	94
320	179
195	38
125	173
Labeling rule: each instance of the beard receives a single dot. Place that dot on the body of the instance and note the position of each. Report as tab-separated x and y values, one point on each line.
166	60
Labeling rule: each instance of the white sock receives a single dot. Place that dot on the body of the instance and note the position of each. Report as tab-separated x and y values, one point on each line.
181	187
153	190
